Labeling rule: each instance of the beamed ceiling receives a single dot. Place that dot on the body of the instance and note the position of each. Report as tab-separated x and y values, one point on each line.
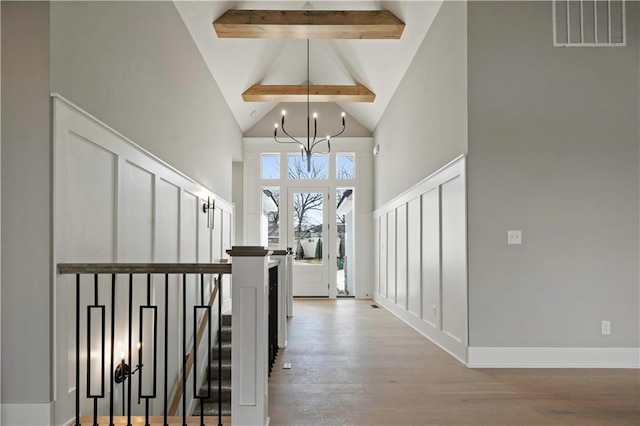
368	69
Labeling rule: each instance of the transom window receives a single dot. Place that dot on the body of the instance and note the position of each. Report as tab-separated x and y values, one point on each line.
270	166
345	166
298	169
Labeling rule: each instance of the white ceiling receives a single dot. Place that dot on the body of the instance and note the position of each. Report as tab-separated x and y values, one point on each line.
237	64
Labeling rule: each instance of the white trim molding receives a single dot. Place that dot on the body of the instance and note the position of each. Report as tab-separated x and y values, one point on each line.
521	357
28	414
421	257
430	332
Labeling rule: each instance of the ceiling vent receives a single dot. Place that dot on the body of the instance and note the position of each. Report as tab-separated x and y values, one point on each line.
581	23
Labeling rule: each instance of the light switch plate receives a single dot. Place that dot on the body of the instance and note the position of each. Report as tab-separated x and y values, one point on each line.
514	237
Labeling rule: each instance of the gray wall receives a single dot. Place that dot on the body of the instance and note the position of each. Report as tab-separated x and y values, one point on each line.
135	66
553	151
425	124
26	203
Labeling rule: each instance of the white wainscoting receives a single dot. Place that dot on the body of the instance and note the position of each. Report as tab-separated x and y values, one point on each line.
421	256
115	202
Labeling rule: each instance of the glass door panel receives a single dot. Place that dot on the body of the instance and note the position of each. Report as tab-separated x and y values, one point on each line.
345	258
308	218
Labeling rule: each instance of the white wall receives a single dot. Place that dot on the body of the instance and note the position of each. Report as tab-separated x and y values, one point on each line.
425	125
553	151
135	65
238	200
113	202
26	201
253	185
421	257
329	118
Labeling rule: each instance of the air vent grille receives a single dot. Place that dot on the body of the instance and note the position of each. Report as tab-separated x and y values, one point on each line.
581	23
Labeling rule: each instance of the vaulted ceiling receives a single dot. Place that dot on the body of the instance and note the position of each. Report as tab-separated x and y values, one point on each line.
237	64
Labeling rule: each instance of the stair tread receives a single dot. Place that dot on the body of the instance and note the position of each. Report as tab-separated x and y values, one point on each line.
226	385
211	409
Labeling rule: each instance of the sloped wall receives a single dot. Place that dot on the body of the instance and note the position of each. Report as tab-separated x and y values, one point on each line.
135	66
425	125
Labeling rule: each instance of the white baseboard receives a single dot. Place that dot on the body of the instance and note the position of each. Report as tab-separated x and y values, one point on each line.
436	336
509	357
30	414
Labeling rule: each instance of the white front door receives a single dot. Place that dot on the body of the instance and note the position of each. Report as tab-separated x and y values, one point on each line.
310	239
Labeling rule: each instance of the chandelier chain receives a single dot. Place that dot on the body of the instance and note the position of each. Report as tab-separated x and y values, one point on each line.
307	150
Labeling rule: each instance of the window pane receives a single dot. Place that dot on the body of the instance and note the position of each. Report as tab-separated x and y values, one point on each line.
307	227
344	238
345	166
270	225
270	166
299	169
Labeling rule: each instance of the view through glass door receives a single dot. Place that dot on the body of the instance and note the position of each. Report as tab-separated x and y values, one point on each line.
310	240
345	247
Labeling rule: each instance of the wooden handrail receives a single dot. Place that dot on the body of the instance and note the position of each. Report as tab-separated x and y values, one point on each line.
173	408
144	268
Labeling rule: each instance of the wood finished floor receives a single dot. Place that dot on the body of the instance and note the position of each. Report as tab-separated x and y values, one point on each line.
356	365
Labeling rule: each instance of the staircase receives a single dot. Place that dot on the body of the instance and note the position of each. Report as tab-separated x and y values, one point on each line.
210	405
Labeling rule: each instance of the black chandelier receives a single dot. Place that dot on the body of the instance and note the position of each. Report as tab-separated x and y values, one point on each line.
307	150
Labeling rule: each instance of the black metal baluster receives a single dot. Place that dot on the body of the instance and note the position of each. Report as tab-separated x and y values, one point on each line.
195	351
220	349
130	343
78	349
202	289
140	349
113	341
146	345
166	345
184	349
95	302
205	317
91	355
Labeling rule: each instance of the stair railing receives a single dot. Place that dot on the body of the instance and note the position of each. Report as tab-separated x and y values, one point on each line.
121	286
175	402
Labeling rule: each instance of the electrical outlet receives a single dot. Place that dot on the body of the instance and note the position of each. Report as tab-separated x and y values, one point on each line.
435	311
514	237
286	366
606	327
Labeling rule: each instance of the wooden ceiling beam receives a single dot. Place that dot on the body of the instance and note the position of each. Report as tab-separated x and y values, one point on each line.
356	93
350	24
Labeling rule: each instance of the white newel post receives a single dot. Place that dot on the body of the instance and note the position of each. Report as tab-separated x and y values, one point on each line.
249	336
283	257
